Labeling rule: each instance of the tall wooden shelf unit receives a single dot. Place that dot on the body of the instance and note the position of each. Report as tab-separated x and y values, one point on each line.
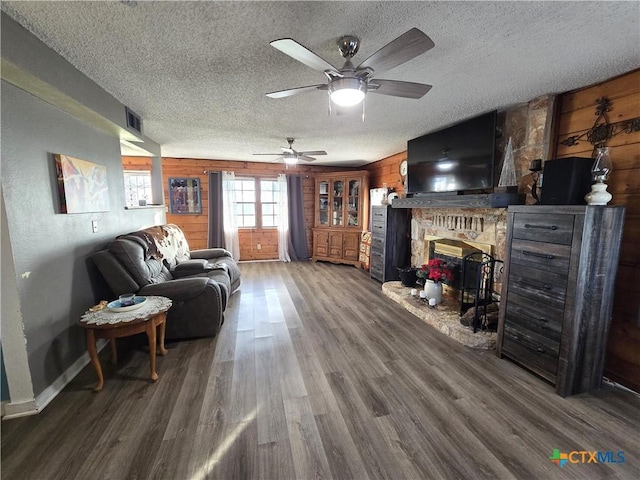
341	205
556	304
390	242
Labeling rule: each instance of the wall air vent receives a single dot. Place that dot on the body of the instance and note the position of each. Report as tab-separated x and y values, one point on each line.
133	120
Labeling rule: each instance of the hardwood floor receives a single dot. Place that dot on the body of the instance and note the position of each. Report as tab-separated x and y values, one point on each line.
315	374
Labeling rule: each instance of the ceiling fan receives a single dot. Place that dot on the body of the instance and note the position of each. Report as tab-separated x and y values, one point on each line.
348	85
291	157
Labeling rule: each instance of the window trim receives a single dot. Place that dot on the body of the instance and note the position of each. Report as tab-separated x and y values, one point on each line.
126	173
259	180
258	204
239	179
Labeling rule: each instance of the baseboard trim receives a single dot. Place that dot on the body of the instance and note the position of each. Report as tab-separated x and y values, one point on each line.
608	381
21	409
63	380
33	407
259	261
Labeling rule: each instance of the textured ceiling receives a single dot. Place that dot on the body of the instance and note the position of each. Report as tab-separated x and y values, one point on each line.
197	72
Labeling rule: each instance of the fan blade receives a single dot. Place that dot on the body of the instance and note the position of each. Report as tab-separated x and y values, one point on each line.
313	152
287	150
267	154
302	54
279	159
404	48
305	158
397	88
295	91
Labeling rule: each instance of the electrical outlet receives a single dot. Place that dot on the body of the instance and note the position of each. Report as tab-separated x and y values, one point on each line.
94	226
259	246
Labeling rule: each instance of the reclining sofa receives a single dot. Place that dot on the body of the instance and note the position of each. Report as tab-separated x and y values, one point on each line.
157	261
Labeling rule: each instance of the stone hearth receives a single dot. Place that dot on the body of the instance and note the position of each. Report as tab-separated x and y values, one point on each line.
444	317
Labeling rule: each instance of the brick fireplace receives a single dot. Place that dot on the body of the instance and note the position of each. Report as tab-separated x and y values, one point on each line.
483	228
477	228
449	229
528	125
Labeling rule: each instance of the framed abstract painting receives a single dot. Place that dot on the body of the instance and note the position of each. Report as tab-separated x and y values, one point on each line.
82	185
184	196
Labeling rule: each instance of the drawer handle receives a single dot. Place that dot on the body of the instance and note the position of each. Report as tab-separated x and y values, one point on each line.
540	350
546	286
536	254
515	337
546	227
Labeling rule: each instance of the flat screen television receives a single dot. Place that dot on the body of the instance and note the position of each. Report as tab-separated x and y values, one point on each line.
454	159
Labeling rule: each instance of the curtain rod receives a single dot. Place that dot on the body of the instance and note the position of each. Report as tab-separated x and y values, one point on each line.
206	172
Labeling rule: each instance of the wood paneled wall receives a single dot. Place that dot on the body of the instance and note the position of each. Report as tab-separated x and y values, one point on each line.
196	226
576	115
136	163
387	171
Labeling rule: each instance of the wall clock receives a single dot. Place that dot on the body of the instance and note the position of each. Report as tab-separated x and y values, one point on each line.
403	168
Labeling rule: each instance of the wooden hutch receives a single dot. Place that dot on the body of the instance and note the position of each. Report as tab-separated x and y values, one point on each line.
341	215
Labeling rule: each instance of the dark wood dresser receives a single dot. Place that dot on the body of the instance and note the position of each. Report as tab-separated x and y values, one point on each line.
556	302
390	242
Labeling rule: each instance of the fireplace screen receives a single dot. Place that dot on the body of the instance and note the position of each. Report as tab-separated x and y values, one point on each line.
478	271
452	252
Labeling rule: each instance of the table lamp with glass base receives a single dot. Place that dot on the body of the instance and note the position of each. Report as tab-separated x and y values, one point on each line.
600	172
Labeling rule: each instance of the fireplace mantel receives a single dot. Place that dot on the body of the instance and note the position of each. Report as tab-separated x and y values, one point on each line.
487	200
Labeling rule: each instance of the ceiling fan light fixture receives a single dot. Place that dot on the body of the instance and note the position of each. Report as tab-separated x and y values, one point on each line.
290	159
347	92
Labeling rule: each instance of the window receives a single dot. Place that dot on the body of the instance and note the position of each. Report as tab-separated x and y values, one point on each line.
245	196
137	187
256	202
269	202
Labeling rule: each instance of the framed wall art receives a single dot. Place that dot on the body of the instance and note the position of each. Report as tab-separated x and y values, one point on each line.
82	185
184	196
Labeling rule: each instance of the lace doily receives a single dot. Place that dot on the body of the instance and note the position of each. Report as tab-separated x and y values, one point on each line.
152	306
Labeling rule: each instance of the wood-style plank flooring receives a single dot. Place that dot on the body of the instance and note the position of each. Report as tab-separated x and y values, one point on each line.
315	374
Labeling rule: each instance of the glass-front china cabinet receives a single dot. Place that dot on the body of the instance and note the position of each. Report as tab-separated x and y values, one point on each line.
340	216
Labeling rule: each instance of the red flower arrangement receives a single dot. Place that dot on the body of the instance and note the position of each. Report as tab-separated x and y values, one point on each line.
436	269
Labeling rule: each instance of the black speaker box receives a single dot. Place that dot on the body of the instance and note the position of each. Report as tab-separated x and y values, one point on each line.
566	181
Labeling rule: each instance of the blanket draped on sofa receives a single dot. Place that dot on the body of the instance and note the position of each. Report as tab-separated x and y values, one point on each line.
165	243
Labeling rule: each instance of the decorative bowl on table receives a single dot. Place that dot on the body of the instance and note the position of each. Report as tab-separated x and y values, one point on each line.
117	306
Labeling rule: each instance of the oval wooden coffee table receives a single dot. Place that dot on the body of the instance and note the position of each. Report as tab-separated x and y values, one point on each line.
108	324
